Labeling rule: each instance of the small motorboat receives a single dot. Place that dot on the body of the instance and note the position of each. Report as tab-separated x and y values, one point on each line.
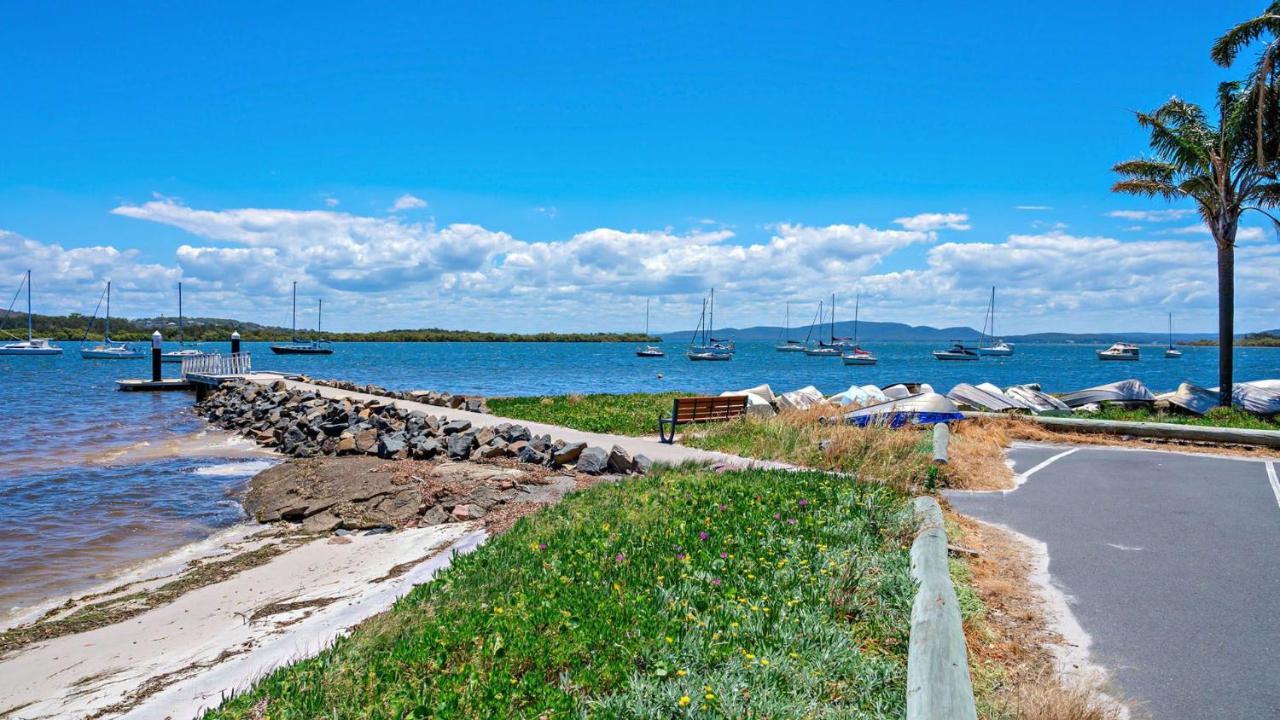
858	356
957	351
32	345
1121	352
107	349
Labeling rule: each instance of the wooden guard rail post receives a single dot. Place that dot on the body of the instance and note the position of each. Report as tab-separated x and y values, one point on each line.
938	685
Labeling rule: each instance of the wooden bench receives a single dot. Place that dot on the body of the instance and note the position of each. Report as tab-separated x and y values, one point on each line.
700	409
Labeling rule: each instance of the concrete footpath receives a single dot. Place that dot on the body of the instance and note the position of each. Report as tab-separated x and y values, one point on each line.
1170	562
656	451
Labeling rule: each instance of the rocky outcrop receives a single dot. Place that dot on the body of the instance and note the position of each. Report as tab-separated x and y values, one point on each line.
303	424
470	403
362	493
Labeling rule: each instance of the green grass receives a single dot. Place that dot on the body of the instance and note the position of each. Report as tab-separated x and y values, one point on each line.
795	603
634	414
1217	417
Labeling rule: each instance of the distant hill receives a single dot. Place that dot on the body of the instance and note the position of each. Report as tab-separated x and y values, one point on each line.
868	331
1107	338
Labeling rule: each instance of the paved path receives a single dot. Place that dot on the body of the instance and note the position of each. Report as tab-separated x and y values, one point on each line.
656	451
1172	565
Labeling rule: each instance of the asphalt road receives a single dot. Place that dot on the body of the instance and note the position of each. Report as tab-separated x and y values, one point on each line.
1171	563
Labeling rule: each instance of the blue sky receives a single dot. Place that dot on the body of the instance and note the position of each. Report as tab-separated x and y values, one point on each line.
572	161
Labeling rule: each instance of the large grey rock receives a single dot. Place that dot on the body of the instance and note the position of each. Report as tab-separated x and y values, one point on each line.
593	461
424	448
641	464
568	454
367	441
457	426
393	446
460	445
529	455
619	460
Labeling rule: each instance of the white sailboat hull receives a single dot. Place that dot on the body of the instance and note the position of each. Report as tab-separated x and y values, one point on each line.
858	359
22	348
996	351
111	353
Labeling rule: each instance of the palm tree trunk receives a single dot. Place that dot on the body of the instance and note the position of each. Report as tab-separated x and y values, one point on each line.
1226	313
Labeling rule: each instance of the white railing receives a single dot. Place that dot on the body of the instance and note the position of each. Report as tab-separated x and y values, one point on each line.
217	365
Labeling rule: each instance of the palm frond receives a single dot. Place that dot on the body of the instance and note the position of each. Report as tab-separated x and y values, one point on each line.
1226	48
1147	188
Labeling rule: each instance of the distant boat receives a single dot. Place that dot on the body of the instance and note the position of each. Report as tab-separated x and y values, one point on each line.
957	351
32	345
107	350
1122	352
300	347
649	351
855	355
787	344
1171	352
994	346
821	348
182	352
710	349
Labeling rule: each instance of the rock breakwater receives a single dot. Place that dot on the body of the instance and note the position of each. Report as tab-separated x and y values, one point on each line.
303	424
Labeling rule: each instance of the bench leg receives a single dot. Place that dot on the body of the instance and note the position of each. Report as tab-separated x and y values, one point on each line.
662	436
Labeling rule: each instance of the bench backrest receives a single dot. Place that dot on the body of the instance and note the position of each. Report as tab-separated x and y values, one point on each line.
707	409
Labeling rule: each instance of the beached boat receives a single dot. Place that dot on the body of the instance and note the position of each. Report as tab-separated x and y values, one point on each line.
855	355
921	409
994	346
787	344
183	351
709	349
107	349
957	351
649	351
1172	352
1129	393
1121	352
301	347
32	345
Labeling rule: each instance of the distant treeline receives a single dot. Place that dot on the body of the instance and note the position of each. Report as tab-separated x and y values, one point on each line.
1264	339
72	327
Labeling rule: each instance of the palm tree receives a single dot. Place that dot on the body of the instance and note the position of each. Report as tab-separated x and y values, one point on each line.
1217	168
1263	82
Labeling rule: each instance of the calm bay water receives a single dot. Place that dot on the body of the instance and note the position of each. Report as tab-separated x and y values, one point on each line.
92	479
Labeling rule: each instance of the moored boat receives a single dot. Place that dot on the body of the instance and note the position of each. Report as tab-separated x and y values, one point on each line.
1121	351
107	349
957	351
649	351
710	349
32	345
855	354
1172	352
302	347
183	351
994	346
787	344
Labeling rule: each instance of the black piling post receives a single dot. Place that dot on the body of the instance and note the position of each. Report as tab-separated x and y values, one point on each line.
156	339
235	342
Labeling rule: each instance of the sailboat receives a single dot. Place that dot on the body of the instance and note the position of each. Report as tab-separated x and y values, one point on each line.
855	355
1171	352
107	350
995	346
299	347
787	344
32	345
709	349
833	348
183	351
649	351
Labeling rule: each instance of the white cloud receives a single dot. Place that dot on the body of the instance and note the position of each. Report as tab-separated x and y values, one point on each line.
1153	216
1243	235
332	202
550	211
1032	208
408	202
926	222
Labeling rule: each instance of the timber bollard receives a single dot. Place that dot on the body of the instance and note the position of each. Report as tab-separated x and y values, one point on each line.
941	438
235	342
156	339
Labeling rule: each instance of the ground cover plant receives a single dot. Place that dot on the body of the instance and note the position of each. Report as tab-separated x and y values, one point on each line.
1217	417
686	593
630	414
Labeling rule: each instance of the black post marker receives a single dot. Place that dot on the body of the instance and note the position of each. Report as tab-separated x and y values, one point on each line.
156	339
235	342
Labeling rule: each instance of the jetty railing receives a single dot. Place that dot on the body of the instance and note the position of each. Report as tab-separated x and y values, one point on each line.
938	685
217	365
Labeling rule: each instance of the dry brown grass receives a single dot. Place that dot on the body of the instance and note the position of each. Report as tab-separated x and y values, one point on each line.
976	456
1052	700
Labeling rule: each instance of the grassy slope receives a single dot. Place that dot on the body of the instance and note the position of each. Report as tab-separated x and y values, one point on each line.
1218	417
795	602
634	414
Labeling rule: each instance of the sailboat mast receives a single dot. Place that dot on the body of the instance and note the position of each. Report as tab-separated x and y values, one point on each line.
181	339
993	311
29	306
1170	328
857	302
711	321
319	313
646	319
295	309
106	328
833	317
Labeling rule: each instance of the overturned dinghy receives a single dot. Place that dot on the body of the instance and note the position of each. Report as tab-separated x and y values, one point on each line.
860	395
921	409
1034	400
1260	398
978	397
1125	392
1191	398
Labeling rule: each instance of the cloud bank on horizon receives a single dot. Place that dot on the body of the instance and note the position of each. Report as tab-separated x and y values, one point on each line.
379	272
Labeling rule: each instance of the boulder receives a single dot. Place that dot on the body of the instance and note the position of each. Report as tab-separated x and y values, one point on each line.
619	460
593	461
423	448
457	426
393	446
516	433
568	453
460	445
529	455
641	464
